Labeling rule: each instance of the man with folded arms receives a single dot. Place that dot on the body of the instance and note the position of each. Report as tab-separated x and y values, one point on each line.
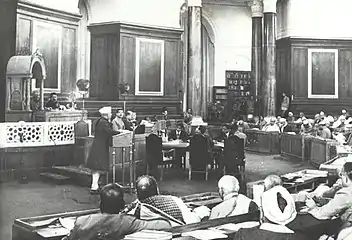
233	203
111	223
152	204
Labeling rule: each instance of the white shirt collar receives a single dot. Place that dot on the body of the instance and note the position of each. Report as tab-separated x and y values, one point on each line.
275	228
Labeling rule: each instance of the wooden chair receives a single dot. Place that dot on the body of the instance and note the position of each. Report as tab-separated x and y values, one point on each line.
234	157
200	156
156	156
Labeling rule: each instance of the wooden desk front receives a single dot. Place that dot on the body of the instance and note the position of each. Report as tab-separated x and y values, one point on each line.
60	116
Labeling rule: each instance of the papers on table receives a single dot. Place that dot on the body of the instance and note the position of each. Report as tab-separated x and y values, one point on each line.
53	232
149	234
68	222
207	234
219	144
235	227
43	223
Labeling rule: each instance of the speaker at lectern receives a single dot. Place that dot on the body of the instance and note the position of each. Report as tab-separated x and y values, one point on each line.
122	140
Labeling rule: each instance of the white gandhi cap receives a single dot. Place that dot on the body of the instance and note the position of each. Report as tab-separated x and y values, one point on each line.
105	110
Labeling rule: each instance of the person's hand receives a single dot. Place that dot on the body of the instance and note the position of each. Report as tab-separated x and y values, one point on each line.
202	212
310	203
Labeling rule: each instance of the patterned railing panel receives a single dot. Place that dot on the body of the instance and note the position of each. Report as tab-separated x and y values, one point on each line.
35	134
60	133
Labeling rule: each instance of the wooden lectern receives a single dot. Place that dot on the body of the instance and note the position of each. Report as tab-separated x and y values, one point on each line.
123	143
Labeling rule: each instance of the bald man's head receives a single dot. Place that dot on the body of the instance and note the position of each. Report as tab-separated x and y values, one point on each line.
272	181
146	187
228	185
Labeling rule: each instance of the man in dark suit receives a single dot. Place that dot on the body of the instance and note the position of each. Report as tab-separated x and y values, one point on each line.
53	103
179	133
129	121
99	156
225	132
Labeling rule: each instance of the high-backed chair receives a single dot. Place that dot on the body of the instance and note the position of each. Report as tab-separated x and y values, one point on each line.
200	156
234	157
156	156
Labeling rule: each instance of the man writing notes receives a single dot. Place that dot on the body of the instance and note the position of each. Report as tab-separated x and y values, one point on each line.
98	160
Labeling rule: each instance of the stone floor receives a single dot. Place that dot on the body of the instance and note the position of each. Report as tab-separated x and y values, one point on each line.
40	198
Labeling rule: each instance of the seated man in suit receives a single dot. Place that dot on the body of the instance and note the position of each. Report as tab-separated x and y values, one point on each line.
152	204
233	203
225	132
179	133
53	103
111	223
129	121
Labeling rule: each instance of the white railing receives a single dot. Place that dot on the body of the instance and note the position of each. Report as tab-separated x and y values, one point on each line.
36	134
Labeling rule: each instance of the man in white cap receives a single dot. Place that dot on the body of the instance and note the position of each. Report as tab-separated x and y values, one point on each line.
306	127
278	210
323	130
98	160
233	203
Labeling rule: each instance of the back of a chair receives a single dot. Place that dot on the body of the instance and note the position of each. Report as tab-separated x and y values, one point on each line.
199	152
234	149
154	148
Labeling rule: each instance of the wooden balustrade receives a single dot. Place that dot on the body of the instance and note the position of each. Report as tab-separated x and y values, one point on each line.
262	142
322	151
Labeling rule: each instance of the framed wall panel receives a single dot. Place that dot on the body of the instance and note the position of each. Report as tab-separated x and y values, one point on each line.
149	76
23	38
47	38
323	73
69	60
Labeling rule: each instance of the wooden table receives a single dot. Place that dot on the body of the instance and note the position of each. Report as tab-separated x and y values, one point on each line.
177	231
306	179
24	228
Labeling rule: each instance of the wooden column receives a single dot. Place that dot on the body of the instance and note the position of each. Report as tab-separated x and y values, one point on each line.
257	36
195	81
8	16
269	66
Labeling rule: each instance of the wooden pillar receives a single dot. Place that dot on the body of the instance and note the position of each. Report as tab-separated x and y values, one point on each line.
257	36
8	16
269	65
194	60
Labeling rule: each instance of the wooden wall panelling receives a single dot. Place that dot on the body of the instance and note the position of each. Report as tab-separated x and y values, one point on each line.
150	66
68	60
345	74
23	36
172	77
127	61
283	71
112	55
98	66
47	37
300	72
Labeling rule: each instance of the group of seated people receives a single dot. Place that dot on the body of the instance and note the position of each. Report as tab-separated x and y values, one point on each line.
279	218
322	126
